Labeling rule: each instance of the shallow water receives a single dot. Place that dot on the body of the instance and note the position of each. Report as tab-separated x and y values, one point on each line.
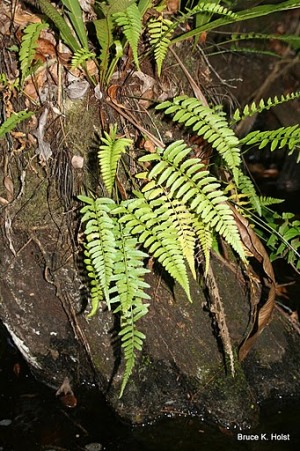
33	418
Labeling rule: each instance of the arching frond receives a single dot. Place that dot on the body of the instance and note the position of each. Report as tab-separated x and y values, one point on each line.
131	22
207	123
28	46
283	136
16	118
253	108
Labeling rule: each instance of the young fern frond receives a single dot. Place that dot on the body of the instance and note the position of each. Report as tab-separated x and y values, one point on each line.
131	22
285	240
253	108
160	32
207	123
292	40
100	240
158	236
129	291
205	239
188	181
109	154
16	118
80	56
246	187
283	136
65	31
28	47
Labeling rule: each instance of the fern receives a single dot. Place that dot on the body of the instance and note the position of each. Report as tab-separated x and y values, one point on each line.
65	31
131	22
283	136
253	108
205	239
210	8
100	240
292	40
16	118
80	56
160	32
207	123
28	47
109	155
285	238
187	181
129	292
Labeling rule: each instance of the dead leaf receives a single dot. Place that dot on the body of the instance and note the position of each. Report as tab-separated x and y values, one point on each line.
9	186
66	394
3	201
21	17
44	150
263	315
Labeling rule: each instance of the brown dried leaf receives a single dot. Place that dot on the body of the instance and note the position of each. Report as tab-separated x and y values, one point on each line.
256	248
9	186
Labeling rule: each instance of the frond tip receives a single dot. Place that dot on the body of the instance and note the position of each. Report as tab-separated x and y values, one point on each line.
207	123
109	154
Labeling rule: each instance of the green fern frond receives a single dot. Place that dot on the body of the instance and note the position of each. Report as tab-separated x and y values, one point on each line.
16	118
131	22
253	108
109	155
266	201
74	13
292	40
188	181
28	47
283	136
207	123
205	239
160	33
158	236
65	31
285	239
80	56
211	8
128	290
100	239
246	187
173	210
131	341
